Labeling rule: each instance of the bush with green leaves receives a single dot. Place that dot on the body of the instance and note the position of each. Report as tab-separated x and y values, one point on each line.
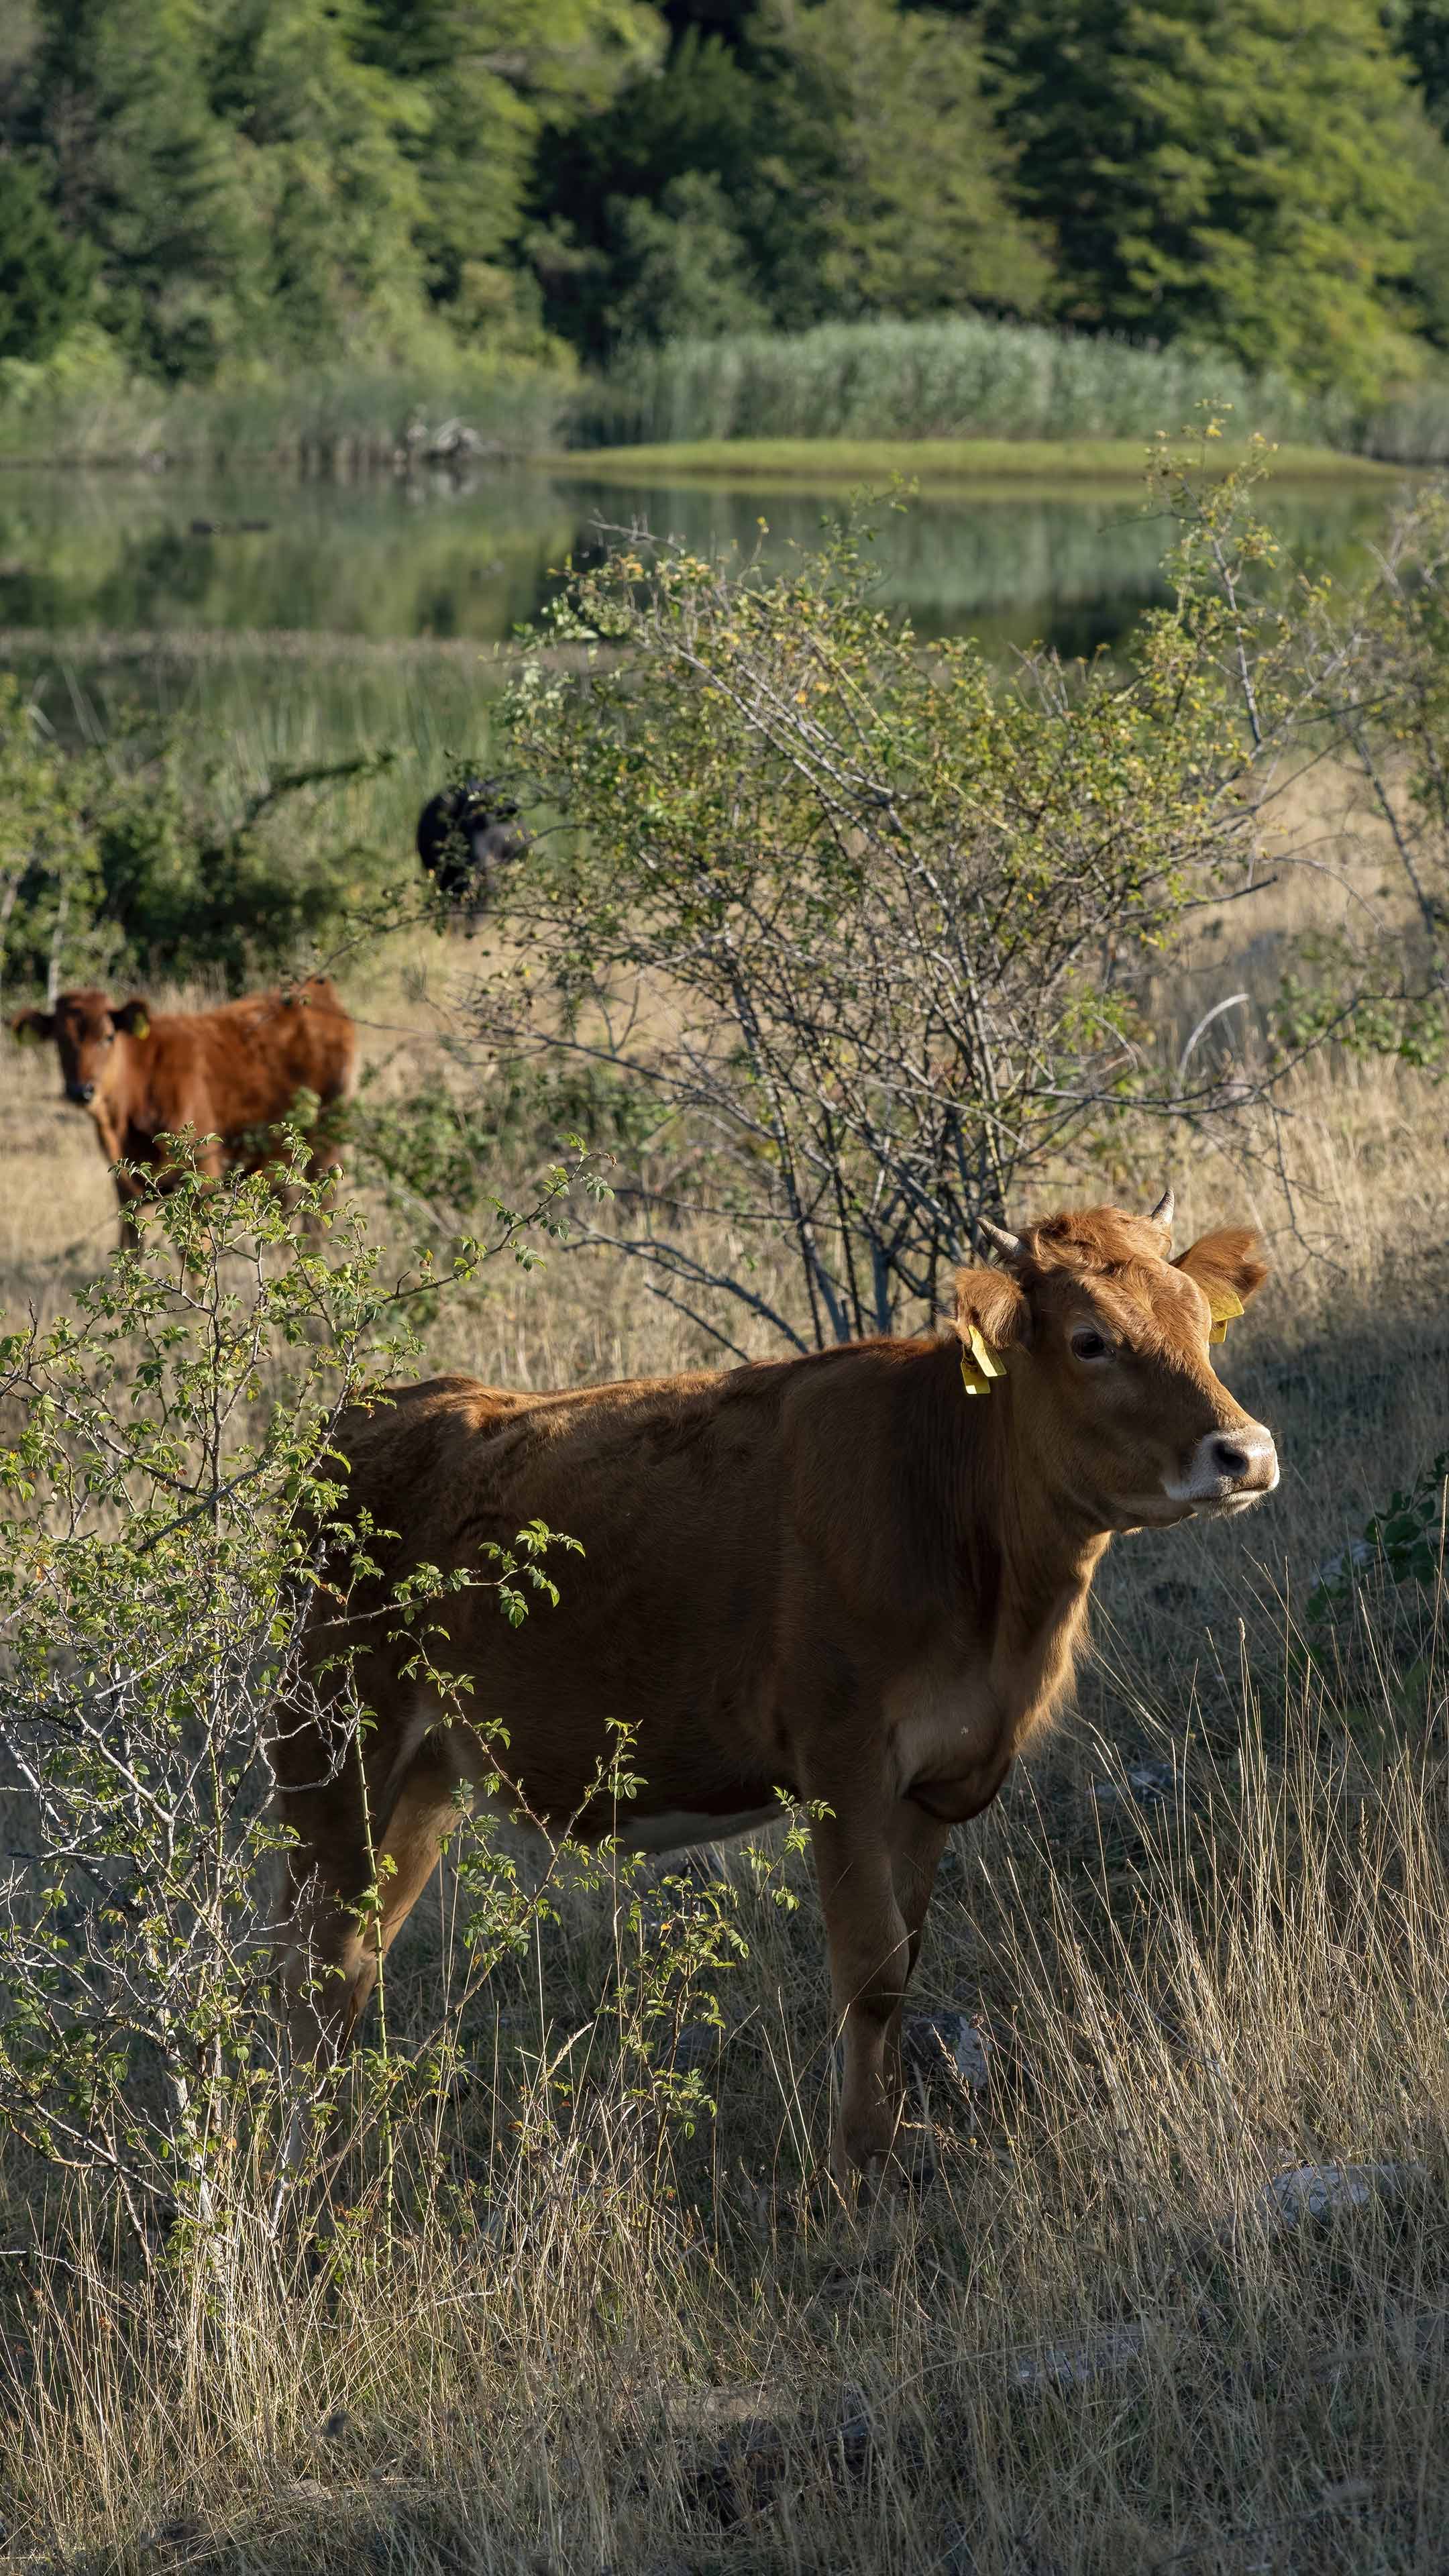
45	278
1379	979
873	934
167	1457
117	860
1405	1537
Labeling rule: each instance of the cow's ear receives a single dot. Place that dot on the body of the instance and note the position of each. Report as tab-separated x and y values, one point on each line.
991	1308
32	1028
1229	1268
134	1017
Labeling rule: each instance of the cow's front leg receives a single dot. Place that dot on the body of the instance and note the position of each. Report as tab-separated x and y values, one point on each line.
871	1955
129	1195
917	1841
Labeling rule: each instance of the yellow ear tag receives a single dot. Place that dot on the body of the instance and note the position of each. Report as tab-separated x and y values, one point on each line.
141	1028
978	1370
1223	1304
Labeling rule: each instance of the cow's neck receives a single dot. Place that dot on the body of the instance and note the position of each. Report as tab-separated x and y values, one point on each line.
1033	1555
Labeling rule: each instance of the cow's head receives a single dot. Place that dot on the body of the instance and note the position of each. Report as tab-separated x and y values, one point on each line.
1106	1344
85	1027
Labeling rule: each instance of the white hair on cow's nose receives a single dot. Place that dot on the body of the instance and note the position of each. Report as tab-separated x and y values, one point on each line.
1230	1468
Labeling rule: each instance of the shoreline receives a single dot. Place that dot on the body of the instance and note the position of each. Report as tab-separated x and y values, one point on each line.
935	465
980	465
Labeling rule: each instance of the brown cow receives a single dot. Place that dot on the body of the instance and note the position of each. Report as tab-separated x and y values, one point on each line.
846	1577
227	1074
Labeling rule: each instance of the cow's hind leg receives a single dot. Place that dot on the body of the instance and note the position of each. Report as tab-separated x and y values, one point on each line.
423	1813
876	1873
322	1960
360	1860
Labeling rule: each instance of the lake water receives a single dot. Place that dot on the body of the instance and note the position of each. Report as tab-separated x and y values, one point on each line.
473	560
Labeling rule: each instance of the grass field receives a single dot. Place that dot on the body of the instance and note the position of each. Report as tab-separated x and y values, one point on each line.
938	464
1202	1935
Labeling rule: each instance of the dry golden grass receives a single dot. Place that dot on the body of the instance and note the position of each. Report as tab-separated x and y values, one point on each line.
1089	2345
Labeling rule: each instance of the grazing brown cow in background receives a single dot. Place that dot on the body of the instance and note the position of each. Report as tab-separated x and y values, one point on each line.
227	1074
851	1577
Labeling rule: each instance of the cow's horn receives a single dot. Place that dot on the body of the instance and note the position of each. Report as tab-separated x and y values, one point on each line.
1000	1240
1162	1214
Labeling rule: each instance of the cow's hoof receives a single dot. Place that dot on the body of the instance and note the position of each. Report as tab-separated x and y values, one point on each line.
884	2177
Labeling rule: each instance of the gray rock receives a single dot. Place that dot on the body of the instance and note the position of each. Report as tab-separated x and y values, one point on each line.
1143	1784
1350	1559
1104	2354
934	2042
1323	2192
958	2557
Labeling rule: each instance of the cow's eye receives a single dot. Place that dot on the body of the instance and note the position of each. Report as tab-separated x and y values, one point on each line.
1088	1345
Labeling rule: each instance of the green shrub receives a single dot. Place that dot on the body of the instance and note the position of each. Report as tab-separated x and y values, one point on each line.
166	1458
871	934
44	277
112	867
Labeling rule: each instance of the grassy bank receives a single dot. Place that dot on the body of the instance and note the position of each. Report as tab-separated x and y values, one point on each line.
1027	465
1061	396
962	376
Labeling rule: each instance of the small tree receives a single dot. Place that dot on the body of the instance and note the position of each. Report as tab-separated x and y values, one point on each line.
874	933
167	1455
45	278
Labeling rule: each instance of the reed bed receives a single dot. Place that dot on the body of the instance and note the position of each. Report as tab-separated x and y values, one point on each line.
963	376
87	408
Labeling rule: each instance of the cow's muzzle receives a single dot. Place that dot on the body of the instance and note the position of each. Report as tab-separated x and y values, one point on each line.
1228	1470
82	1093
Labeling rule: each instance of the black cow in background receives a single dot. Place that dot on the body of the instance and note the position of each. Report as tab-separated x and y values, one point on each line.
466	833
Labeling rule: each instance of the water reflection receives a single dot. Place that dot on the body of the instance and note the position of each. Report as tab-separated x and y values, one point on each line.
475	559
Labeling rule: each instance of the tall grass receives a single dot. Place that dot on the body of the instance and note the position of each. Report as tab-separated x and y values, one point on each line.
957	377
963	376
1092	2345
86	407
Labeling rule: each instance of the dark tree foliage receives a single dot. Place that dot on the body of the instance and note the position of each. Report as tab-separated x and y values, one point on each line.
706	118
285	182
1236	173
727	18
45	278
837	161
1419	29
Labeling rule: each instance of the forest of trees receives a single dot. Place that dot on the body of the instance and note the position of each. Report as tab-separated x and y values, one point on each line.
217	191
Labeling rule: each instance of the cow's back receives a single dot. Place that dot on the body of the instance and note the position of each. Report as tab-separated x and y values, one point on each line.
666	1622
242	1065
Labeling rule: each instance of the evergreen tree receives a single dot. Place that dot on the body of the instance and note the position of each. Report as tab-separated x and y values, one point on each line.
680	270
854	162
116	110
497	77
903	175
1234	171
1420	30
45	279
332	197
610	183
